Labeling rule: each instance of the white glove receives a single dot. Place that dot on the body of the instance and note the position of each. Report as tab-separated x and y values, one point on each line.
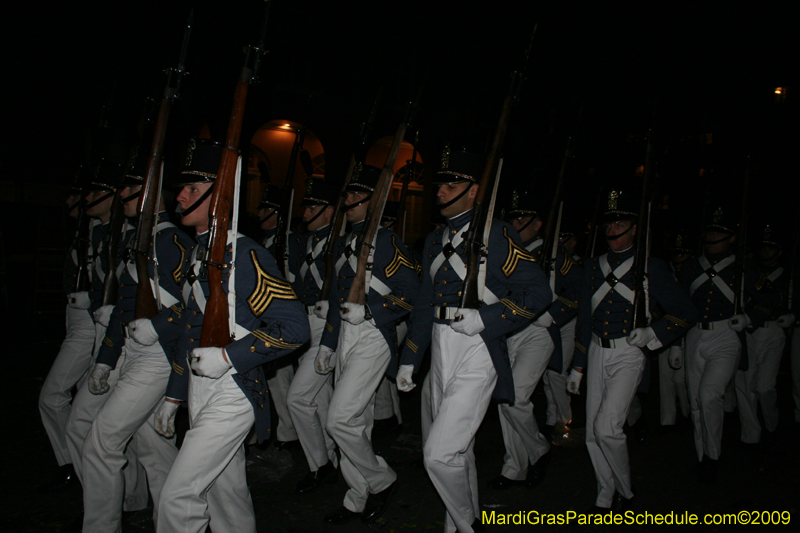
353	313
641	337
165	417
322	364
210	362
98	379
405	382
574	382
142	331
739	322
786	320
79	300
544	321
675	358
321	309
468	322
102	315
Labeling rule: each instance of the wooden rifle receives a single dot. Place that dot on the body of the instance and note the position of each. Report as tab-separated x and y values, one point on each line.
741	248
639	268
111	245
150	195
372	220
411	165
338	213
287	203
481	214
216	330
553	227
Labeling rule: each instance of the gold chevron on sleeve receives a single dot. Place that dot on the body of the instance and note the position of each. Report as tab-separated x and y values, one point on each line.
411	346
398	301
328	327
515	309
177	368
568	262
399	260
568	303
515	255
108	342
762	279
267	289
678	321
580	346
272	342
177	309
176	274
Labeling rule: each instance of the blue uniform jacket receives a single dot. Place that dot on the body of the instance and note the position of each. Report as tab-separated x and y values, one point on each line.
266	306
393	265
512	276
172	251
613	317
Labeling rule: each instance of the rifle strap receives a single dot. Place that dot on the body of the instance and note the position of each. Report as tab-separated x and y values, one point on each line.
163	298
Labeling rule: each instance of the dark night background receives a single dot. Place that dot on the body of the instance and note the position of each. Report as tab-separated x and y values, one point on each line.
602	74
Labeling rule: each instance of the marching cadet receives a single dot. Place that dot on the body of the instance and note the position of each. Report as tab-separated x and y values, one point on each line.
559	408
365	341
387	400
279	375
124	411
75	355
87	403
310	393
671	370
530	350
713	347
469	358
756	385
614	350
224	385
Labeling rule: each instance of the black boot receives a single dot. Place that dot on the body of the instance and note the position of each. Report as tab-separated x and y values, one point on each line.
64	478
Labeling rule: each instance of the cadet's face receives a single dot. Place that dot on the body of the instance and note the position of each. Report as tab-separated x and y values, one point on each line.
619	228
72	200
102	209
130	208
519	222
187	197
271	222
721	241
769	254
358	213
448	191
321	221
570	244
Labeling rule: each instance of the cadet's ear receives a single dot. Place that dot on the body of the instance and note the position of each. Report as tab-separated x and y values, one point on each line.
537	225
329	211
473	190
633	230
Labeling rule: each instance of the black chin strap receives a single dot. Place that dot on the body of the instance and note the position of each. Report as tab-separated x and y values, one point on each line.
73	207
100	200
348	207
274	212
457	198
315	217
717	241
528	223
191	208
131	197
615	237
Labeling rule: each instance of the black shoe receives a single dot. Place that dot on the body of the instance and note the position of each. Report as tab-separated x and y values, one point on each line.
537	472
619	504
385	426
314	480
640	430
340	516
288	445
503	483
707	470
477	526
64	478
377	503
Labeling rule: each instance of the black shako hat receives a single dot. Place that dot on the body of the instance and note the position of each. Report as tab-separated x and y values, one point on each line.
621	205
522	205
318	192
201	163
459	166
364	179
